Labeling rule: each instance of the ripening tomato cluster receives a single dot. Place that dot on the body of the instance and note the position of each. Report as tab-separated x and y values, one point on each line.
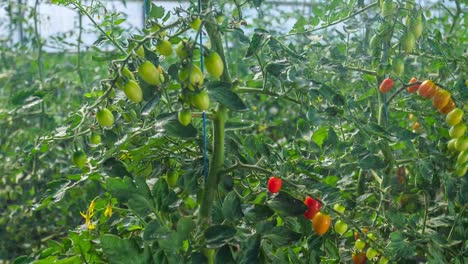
364	251
443	102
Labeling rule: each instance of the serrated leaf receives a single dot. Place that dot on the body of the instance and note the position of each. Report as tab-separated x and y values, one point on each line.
232	207
226	97
218	235
287	205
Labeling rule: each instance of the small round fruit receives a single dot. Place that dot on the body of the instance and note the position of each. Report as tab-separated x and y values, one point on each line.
371	236
133	91
383	260
196	77
371	253
149	73
140	51
449	107
388	7
416	25
416	126
313	207
196	23
321	223
79	158
274	184
214	64
408	41
164	47
375	42
201	101
105	117
182	50
341	227
427	89
185	117
359	258
457	131
460	171
95	139
171	178
451	144
413	88
339	208
461	143
359	244
462	157
398	66
454	117
441	98
386	85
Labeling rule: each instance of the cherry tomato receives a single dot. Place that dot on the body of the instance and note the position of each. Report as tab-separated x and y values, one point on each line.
140	51
371	253
196	23
413	88
196	77
95	139
454	117
398	66
460	171
105	117
149	73
359	258
339	208
461	143
462	157
359	244
79	158
133	91
182	49
201	100
408	41
383	260
313	207
214	64
341	227
171	178
451	144
185	117
415	25
449	107
457	131
427	89
386	85
164	47
274	184
416	126
388	7
441	98
321	223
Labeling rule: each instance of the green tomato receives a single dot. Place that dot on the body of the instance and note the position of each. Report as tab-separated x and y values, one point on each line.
371	253
451	144
415	25
149	73
133	91
388	7
359	244
79	158
214	64
201	101
140	51
371	236
105	117
196	23
457	131
408	41
461	144
339	208
95	139
182	50
185	117
196	78
398	65
460	171
171	178
164	47
462	157
341	227
383	260
454	117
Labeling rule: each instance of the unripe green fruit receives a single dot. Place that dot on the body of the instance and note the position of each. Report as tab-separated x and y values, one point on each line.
461	144
185	117
398	65
196	77
341	227
149	73
164	47
201	101
105	117
95	139
359	244
408	42
140	51
182	50
461	170
79	158
371	253
214	64
196	23
462	157
415	25
457	131
388	7
454	117
133	91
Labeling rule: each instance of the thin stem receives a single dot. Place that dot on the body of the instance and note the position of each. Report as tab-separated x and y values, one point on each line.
335	22
262	91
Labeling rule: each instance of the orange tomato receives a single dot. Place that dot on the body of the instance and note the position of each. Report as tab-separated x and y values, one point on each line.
413	88
359	258
416	126
321	223
441	98
386	85
448	107
427	89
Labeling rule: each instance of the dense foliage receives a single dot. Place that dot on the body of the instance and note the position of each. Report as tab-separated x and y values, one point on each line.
257	146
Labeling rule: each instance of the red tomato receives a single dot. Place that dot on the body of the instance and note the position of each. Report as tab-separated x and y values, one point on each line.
386	85
274	184
313	207
359	258
413	88
427	89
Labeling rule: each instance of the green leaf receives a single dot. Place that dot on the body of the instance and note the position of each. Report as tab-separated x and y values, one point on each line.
257	212
283	236
251	250
232	207
287	205
221	92
121	251
371	162
140	205
320	135
185	225
258	40
122	189
174	128
218	235
156	12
